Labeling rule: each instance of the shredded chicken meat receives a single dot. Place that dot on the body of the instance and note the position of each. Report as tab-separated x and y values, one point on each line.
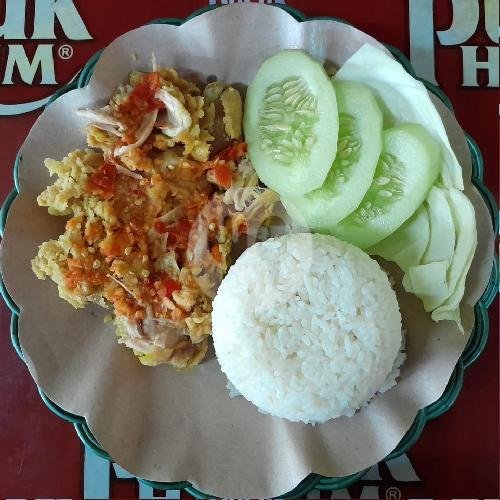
154	213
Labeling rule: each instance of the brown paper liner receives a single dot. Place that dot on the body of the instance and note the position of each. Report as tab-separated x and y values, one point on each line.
166	426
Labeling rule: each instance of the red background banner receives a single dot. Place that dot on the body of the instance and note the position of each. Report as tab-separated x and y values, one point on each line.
457	455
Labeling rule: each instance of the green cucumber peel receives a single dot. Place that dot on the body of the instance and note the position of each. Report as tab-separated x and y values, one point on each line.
403	98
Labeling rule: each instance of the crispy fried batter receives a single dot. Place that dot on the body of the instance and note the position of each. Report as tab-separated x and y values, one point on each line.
148	231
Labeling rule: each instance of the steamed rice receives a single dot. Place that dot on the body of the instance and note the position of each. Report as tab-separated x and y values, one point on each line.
307	327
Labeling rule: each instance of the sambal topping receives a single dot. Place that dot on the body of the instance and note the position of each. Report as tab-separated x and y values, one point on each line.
140	101
166	286
234	152
103	181
161	227
216	253
242	228
116	243
223	175
148	231
84	270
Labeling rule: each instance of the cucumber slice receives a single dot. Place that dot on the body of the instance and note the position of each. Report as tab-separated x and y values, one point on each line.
429	283
358	148
442	231
407	245
291	123
404	98
407	168
464	220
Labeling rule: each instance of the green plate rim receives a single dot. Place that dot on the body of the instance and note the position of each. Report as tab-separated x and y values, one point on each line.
472	351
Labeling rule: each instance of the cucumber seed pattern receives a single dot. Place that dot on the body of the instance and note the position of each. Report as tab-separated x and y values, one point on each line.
387	187
348	153
287	119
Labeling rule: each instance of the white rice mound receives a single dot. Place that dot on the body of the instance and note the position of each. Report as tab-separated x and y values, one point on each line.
307	327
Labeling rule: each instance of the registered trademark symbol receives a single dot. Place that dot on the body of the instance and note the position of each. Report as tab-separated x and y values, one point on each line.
393	493
65	51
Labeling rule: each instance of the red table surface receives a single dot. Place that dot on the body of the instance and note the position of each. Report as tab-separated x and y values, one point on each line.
457	455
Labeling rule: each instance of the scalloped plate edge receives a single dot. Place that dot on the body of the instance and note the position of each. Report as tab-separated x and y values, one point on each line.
472	351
